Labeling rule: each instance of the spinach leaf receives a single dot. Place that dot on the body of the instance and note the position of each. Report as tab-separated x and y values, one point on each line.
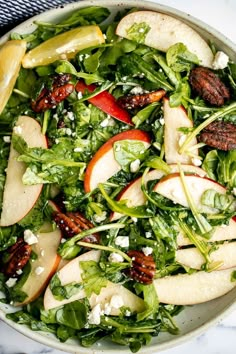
61	292
73	315
138	32
179	58
127	151
22	317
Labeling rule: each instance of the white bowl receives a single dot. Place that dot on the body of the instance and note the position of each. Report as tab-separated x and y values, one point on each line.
194	320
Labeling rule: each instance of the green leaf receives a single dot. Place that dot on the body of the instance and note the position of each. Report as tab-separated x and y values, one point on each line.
73	315
93	277
143	114
180	59
127	151
61	292
151	302
138	32
120	207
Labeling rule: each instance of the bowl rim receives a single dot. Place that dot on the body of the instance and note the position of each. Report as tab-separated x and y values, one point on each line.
209	31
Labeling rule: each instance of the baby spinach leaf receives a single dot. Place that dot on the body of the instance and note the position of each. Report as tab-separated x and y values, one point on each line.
138	32
61	292
127	151
93	277
73	315
179	58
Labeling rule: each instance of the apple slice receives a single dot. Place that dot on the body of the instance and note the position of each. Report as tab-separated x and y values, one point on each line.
104	165
192	258
163	31
176	118
221	233
171	188
72	273
133	193
185	289
44	266
19	199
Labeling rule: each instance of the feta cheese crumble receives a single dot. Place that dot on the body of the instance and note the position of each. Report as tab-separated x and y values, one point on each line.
134	166
220	61
100	218
122	241
30	237
11	282
115	258
7	139
147	250
94	316
148	234
196	161
17	129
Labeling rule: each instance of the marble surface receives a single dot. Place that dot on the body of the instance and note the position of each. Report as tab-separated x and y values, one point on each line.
220	339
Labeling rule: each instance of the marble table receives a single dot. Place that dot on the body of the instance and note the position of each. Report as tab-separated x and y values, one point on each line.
220	339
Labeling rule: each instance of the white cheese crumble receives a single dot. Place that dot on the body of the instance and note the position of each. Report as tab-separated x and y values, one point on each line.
30	237
7	139
115	258
78	149
196	161
137	90
134	166
134	219
147	250
116	301
100	218
234	191
79	95
19	271
148	234
11	282
39	270
94	316
71	116
107	122
162	121
122	241
17	129
220	60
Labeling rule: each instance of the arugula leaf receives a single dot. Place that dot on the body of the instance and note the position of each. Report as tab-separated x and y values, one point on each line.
22	317
93	277
150	299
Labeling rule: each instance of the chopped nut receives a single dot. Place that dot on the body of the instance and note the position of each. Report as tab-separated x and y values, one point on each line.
143	267
140	100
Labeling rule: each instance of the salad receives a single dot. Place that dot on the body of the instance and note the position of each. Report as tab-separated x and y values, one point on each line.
117	175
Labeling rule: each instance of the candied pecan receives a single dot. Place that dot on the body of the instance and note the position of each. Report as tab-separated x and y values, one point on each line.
72	224
50	97
209	86
18	257
134	101
143	267
220	135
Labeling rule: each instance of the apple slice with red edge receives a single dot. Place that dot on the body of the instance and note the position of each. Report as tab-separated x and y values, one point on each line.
171	187
133	193
175	118
221	233
191	257
46	263
191	289
73	273
103	165
105	101
161	31
19	199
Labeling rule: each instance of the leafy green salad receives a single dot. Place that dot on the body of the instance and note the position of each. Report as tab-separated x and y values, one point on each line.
117	175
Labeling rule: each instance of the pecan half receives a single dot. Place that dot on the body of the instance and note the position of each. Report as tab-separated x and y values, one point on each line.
209	86
50	97
18	257
220	135
134	101
143	267
72	224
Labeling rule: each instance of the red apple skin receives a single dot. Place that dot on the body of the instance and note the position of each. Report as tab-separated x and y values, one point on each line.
134	134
